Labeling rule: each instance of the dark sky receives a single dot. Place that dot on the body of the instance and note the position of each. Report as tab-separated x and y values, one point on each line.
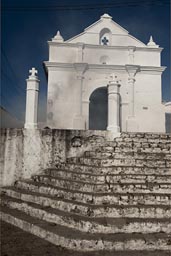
28	25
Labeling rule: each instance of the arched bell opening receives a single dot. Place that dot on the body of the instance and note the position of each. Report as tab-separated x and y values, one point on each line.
105	37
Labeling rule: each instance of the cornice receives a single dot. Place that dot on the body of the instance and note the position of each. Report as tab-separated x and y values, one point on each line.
151	68
109	47
57	65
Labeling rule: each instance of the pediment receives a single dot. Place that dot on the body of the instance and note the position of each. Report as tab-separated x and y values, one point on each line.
118	35
106	22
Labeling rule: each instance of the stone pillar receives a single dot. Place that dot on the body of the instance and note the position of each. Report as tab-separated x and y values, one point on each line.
79	120
131	81
132	71
131	122
113	106
32	100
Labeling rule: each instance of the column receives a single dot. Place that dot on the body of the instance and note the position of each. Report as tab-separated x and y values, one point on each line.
132	71
131	122
131	81
32	100
113	106
79	120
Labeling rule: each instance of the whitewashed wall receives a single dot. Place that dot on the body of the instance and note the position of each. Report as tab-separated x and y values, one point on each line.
64	71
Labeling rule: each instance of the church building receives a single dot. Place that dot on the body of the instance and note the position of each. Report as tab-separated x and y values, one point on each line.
105	79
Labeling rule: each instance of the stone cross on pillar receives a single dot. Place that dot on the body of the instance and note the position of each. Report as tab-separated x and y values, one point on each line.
32	100
113	105
33	72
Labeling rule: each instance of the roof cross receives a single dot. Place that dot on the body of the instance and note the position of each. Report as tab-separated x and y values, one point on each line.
105	41
33	72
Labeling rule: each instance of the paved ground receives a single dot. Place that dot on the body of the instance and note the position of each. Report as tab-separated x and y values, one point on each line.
16	242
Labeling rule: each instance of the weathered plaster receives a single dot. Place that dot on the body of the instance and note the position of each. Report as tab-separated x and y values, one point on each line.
25	152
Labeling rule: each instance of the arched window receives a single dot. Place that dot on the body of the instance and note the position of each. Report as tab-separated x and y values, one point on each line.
105	37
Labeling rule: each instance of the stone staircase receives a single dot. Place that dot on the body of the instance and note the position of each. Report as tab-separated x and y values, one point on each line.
115	198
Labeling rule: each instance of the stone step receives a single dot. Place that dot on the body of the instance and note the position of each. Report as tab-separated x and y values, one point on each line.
113	169
144	138
125	146
137	141
118	162
87	224
130	148
81	241
121	178
86	209
69	203
13	239
147	135
128	155
144	141
103	187
91	199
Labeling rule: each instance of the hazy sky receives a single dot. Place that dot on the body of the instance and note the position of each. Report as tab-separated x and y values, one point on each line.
28	25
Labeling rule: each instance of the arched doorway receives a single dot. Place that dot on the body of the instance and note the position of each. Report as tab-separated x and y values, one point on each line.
98	109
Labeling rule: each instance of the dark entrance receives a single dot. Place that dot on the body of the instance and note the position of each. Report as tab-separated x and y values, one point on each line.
98	109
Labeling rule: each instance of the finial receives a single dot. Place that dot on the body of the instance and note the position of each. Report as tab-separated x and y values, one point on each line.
58	37
151	39
151	43
106	16
33	73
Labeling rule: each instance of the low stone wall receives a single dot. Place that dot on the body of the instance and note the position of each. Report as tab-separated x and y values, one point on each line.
26	152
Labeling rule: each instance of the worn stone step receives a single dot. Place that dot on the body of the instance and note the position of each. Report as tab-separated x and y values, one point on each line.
13	239
87	224
108	186
113	169
91	177
118	162
137	142
144	138
71	204
81	241
147	135
126	148
137	147
128	155
144	141
143	211
49	189
71	183
76	175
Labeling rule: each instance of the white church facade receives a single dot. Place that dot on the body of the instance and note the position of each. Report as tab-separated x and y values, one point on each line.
105	61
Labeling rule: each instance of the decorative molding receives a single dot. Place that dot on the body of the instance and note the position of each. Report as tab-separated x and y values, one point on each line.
80	67
109	47
132	69
57	65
